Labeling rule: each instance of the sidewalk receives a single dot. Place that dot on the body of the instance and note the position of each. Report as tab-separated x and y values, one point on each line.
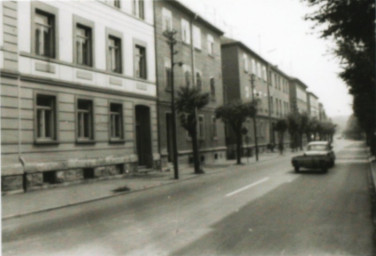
44	200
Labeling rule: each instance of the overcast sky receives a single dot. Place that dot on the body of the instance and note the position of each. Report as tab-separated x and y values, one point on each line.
276	29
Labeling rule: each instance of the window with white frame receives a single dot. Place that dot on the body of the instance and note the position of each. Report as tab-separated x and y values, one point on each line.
138	8
114	54
140	61
85	124
245	62
246	92
210	44
166	20
197	37
259	70
264	73
185	31
84	48
45	112
44	24
254	68
116	122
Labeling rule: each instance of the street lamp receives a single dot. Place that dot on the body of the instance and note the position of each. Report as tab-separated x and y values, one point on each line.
171	41
252	79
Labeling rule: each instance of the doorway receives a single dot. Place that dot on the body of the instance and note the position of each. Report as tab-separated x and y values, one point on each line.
143	136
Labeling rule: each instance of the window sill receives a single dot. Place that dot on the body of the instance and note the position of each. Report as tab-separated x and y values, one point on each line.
198	49
85	141
117	141
46	142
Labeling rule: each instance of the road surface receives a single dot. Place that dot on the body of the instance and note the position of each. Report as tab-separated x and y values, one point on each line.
259	209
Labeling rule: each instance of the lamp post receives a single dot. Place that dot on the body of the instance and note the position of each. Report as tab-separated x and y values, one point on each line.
171	41
252	79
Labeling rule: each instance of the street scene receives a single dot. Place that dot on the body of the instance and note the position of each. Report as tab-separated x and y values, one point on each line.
186	127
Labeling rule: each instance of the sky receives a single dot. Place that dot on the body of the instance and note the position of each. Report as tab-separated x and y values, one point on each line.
276	29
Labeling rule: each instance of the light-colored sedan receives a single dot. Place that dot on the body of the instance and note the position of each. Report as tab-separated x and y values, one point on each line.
319	155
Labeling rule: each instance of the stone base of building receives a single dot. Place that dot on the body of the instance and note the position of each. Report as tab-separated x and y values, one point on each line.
49	175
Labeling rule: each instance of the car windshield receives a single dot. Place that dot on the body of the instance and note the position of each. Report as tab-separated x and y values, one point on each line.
316	147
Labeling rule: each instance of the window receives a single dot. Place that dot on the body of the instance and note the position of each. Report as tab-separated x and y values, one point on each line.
246	91
84	45
264	73
200	127
212	89
140	62
45	109
196	37
114	54
245	62
166	19
210	44
138	7
168	78
271	105
187	75
214	127
85	124
198	80
259	70
254	68
116	122
185	32
44	24
116	3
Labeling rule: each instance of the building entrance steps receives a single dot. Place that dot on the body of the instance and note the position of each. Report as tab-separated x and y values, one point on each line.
21	204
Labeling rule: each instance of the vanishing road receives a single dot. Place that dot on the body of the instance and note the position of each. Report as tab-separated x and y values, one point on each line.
259	209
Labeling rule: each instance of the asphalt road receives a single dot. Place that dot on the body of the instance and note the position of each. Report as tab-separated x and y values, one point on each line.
263	209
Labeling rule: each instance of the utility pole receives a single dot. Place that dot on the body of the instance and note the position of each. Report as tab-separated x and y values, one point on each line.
254	116
171	41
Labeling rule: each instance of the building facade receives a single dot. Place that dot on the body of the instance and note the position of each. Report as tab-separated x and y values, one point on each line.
298	96
199	55
240	64
279	99
78	91
313	105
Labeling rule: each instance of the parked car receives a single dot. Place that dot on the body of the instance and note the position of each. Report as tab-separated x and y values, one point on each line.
319	155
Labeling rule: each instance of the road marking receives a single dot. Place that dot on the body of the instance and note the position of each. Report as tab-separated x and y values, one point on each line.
247	187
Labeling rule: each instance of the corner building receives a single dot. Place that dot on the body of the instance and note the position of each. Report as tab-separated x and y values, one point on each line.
198	51
78	91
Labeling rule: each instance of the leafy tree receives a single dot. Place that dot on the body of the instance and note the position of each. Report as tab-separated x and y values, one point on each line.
351	24
281	128
234	115
189	100
304	121
293	124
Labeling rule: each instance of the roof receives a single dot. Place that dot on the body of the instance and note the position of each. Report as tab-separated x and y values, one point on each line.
299	81
194	15
311	93
226	41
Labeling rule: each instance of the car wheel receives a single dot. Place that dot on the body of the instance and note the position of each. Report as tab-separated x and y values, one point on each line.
324	169
296	168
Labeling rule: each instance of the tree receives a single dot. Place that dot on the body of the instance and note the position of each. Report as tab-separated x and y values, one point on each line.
281	128
189	100
303	127
293	123
234	115
352	26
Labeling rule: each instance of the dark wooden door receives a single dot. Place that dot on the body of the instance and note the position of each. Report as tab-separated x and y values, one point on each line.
143	136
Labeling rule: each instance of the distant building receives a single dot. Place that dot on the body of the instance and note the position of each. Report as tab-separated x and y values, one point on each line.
313	105
298	96
198	50
78	91
322	114
239	63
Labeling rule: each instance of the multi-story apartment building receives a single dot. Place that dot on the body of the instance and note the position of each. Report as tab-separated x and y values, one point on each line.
313	105
78	91
199	55
239	65
279	98
298	96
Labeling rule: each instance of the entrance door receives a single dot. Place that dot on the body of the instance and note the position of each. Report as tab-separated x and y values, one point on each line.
143	136
169	136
